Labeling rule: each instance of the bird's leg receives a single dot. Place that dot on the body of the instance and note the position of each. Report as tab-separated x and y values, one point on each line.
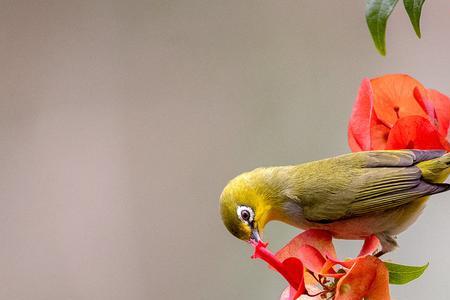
379	253
388	243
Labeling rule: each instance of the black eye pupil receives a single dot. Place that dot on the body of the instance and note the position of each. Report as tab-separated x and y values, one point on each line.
245	215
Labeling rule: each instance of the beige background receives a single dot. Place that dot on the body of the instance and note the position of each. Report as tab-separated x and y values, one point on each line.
121	121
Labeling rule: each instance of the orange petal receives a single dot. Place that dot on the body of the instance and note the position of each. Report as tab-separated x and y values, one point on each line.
356	284
414	132
327	267
380	286
394	98
311	283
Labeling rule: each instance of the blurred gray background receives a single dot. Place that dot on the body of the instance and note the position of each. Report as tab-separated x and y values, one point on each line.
121	122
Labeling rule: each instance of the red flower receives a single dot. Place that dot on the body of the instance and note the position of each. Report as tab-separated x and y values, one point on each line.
398	112
391	112
308	262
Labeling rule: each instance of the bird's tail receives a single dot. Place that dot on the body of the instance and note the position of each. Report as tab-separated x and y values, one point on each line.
436	170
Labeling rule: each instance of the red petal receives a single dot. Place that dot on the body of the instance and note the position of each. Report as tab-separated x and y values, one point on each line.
379	134
345	263
288	293
414	132
441	105
361	118
311	258
394	98
319	239
294	267
291	268
354	145
370	245
425	103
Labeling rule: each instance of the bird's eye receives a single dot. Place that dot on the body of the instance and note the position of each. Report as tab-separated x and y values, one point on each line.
246	214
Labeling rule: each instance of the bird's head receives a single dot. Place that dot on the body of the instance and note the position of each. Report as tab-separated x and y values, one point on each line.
245	208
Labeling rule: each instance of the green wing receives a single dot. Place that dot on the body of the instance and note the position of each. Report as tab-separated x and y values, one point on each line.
366	182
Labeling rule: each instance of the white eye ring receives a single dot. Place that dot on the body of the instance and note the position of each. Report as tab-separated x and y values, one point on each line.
240	211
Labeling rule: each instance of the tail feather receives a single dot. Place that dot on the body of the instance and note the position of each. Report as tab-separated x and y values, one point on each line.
441	187
436	170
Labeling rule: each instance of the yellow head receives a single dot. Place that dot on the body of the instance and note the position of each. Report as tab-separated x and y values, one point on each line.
245	206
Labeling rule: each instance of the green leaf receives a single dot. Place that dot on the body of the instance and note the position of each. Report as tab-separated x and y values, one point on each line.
414	9
377	14
401	274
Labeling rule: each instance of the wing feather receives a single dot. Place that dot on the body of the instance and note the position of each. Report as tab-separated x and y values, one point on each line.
379	180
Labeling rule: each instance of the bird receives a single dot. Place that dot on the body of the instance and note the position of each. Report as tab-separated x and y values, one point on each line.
353	196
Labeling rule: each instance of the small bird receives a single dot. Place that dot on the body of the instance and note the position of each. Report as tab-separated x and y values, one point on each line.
353	196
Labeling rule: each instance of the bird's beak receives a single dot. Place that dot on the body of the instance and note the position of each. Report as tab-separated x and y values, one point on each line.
254	237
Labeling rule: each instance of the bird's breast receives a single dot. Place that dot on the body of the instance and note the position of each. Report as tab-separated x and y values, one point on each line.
393	221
